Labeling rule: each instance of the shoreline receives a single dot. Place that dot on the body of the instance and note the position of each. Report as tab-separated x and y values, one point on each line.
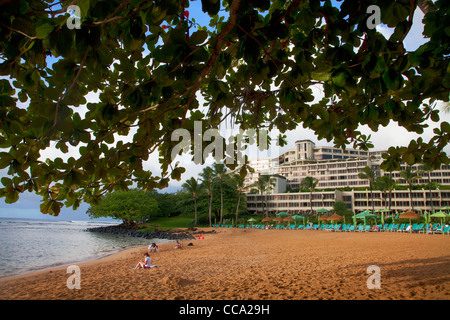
251	264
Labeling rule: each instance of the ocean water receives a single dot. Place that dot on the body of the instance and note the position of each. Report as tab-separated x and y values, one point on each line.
28	245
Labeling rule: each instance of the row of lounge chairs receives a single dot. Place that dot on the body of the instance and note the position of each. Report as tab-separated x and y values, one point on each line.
415	228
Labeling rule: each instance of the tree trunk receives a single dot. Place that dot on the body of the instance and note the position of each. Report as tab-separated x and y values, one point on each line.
411	197
210	208
390	199
371	197
237	207
221	202
431	196
426	6
195	217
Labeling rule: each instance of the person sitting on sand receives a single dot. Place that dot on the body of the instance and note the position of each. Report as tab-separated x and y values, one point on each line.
153	247
147	263
178	245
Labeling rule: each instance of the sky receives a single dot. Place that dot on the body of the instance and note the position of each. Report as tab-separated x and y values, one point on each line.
392	135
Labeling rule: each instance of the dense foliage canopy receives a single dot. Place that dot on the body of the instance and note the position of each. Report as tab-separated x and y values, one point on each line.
129	206
151	63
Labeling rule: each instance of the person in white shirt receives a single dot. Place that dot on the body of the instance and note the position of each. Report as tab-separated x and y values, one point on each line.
147	263
153	247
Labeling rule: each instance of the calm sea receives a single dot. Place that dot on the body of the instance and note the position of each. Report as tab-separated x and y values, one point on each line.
29	245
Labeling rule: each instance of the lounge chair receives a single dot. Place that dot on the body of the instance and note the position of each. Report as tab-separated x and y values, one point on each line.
439	229
446	229
351	228
418	228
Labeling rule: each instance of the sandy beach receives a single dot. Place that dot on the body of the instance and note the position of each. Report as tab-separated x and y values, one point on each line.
235	264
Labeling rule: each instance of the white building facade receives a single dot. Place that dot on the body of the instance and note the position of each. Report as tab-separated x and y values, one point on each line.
337	173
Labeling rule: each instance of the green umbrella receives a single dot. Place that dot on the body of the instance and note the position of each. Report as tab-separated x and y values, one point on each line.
251	220
282	214
322	210
364	215
445	208
439	214
298	217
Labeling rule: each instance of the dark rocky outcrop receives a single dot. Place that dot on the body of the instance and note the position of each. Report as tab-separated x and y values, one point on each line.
134	232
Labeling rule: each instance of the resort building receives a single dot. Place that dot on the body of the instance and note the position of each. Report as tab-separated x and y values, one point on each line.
337	173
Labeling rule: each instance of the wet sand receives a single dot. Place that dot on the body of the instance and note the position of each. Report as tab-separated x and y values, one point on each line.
236	264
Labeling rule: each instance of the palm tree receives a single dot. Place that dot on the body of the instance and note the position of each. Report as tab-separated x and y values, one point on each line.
207	176
264	184
409	175
310	184
368	173
219	171
428	169
193	187
238	182
386	183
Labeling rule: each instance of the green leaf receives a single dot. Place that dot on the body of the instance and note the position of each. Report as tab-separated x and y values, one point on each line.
44	29
198	37
339	79
12	196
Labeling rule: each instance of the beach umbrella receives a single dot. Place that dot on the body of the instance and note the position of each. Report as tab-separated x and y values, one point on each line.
289	219
439	214
322	210
266	219
282	214
278	219
335	217
365	214
251	220
445	208
409	215
298	217
323	218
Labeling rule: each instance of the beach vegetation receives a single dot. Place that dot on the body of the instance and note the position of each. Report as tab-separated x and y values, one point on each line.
386	184
193	187
369	173
410	175
219	172
129	206
263	185
207	176
309	184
